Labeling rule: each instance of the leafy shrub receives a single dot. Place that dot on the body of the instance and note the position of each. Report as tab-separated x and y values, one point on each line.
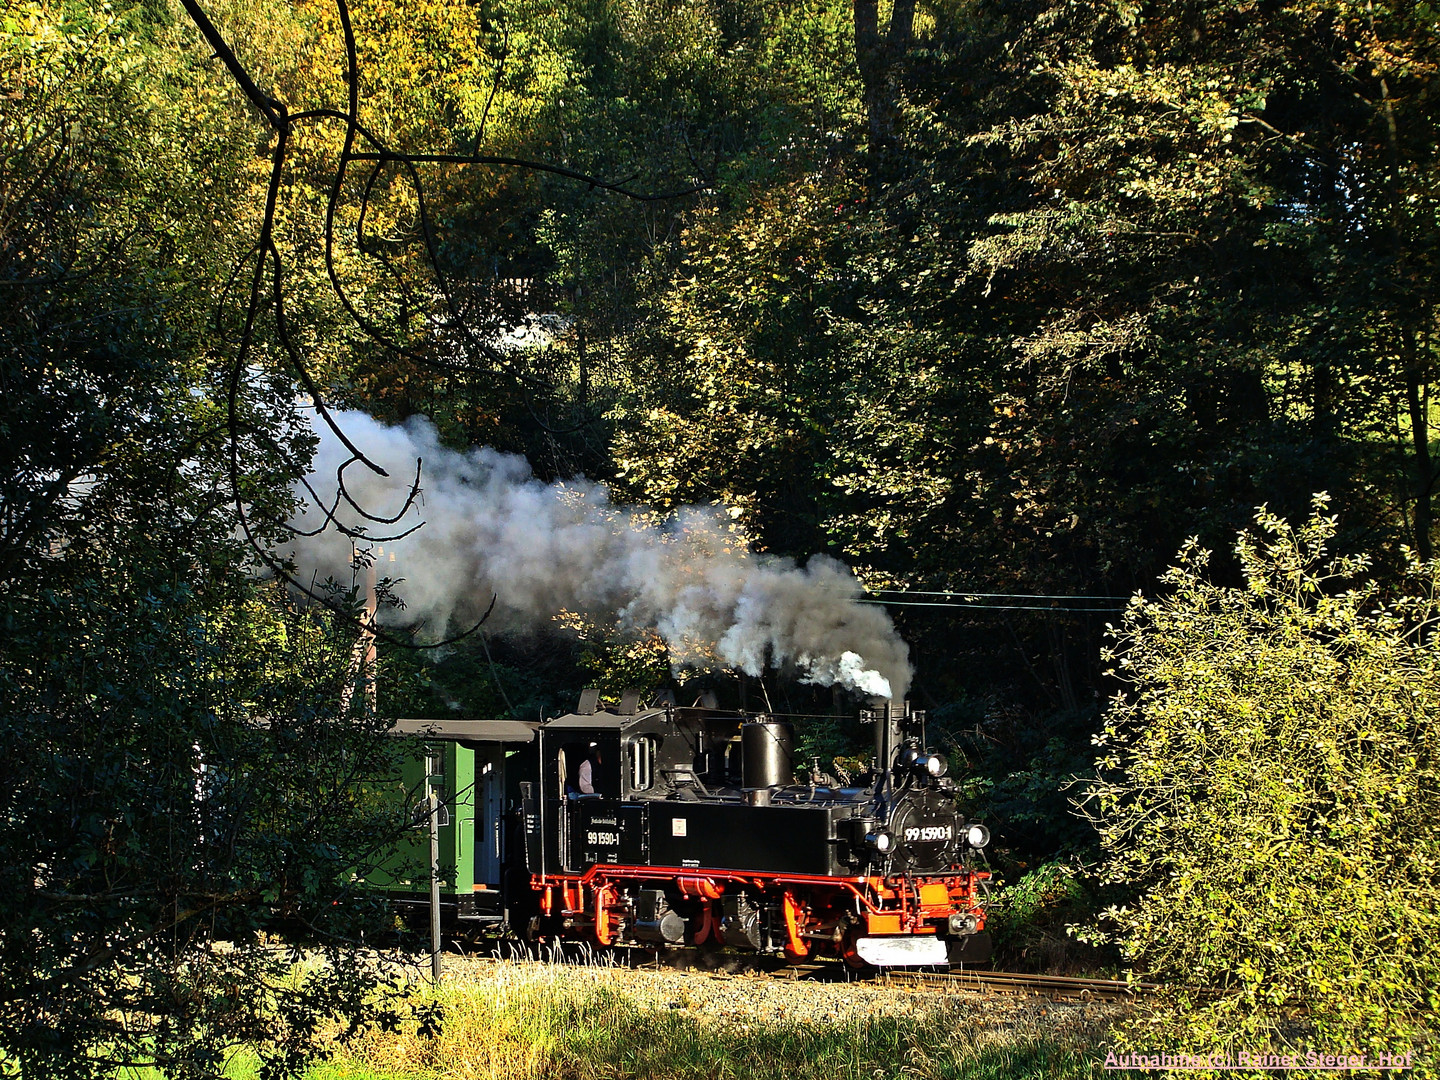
1030	918
1269	791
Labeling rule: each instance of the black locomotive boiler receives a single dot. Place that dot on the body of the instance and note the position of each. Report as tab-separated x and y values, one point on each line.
664	825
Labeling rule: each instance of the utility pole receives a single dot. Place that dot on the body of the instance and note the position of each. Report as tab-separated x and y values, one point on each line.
372	609
362	661
433	805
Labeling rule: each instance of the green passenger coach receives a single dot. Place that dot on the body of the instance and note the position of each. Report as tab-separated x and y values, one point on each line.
474	768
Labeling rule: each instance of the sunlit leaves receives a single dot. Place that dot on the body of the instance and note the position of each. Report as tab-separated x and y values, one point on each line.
1268	788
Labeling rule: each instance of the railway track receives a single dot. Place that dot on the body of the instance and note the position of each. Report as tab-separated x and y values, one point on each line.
1058	987
1055	987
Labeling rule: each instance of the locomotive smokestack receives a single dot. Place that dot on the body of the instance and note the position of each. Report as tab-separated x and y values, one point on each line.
887	717
488	527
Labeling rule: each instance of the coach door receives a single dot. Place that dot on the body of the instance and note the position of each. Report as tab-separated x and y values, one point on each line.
489	812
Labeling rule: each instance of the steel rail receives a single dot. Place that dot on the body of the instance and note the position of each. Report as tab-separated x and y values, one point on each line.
1058	987
1015	982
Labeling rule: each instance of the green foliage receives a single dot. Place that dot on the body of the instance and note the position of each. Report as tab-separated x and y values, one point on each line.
174	771
110	245
1022	789
1268	792
1038	893
835	740
1030	915
618	661
519	678
1110	287
175	777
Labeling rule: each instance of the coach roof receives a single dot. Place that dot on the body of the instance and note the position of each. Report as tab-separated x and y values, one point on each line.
492	731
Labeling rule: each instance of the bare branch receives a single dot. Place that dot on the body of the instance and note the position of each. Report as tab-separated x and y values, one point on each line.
268	261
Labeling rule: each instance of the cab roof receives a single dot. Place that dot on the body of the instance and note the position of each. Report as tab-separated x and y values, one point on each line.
602	721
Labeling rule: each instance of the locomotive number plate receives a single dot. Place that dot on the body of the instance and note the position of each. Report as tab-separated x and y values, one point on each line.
930	832
608	838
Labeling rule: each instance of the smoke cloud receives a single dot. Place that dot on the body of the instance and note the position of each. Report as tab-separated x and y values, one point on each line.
492	529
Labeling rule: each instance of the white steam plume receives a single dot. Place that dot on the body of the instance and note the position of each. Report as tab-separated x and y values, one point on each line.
490	528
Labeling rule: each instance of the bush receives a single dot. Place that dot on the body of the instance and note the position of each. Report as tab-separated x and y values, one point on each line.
1029	920
1269	791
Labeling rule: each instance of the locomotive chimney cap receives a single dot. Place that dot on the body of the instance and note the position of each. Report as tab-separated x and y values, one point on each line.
878	708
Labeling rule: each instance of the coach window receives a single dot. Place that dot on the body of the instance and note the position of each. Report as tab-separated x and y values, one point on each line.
642	762
434	782
435	763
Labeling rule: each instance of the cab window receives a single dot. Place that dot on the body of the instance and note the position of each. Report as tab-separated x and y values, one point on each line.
641	755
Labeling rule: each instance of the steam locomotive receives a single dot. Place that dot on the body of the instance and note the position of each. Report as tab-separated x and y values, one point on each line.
661	825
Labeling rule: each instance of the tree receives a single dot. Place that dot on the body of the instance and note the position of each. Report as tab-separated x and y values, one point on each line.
177	781
1268	794
1220	221
174	771
878	61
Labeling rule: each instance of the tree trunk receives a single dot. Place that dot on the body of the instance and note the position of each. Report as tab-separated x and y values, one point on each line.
902	26
876	60
868	59
1323	400
1417	397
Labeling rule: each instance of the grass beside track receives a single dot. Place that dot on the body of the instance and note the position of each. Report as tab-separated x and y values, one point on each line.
533	1024
539	1023
600	1038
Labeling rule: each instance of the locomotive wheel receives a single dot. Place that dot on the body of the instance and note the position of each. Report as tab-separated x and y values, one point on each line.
852	958
540	930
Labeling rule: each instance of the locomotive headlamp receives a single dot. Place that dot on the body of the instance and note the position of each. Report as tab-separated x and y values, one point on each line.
880	840
933	765
977	836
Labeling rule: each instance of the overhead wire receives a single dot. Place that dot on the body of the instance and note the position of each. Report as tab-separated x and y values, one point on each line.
988	607
1006	596
966	600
